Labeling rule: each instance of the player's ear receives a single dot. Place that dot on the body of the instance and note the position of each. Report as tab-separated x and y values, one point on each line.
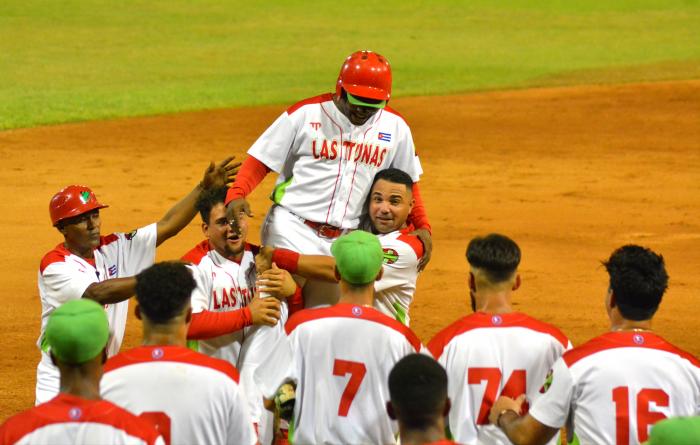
137	311
517	283
448	406
390	410
472	282
612	299
104	355
188	316
205	226
337	273
380	274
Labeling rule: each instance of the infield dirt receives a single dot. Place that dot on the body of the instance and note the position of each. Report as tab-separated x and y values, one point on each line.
569	173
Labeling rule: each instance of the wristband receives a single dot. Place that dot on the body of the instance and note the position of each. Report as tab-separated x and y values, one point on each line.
498	419
286	259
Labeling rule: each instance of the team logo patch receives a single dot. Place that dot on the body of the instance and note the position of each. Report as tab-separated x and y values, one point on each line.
386	137
390	256
547	382
157	354
496	319
129	236
315	125
356	311
112	270
75	413
84	197
638	338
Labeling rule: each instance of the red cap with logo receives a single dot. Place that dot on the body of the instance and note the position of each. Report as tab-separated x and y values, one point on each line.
72	201
365	74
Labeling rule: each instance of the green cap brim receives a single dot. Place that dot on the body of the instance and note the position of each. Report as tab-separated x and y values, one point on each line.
355	101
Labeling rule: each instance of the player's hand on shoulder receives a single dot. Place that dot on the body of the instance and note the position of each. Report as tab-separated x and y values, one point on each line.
265	311
221	174
277	282
263	260
427	239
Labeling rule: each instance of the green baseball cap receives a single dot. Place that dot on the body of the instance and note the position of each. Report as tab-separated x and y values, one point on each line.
77	331
358	257
676	431
362	102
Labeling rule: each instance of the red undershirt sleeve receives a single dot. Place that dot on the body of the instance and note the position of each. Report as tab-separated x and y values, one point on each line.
251	174
296	301
418	216
209	324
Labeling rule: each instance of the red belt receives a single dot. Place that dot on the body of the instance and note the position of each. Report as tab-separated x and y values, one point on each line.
324	230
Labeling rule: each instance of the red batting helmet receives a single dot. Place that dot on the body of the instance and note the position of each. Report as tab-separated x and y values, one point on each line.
365	74
72	201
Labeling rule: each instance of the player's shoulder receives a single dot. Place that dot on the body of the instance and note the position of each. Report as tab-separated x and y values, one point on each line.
321	98
352	312
56	255
197	253
117	417
643	341
392	112
170	354
402	241
482	320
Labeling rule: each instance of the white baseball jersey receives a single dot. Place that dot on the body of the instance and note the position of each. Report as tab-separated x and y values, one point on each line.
618	385
69	419
223	285
393	294
342	356
327	164
64	276
489	355
193	398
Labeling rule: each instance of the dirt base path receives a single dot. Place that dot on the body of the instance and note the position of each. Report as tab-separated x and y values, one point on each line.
569	173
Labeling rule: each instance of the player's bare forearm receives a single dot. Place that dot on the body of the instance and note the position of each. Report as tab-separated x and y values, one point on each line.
317	267
111	291
216	175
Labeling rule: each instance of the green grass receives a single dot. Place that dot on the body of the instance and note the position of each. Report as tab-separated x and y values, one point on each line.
73	60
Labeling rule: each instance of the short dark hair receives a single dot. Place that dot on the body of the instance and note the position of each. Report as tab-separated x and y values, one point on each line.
418	390
497	255
638	280
164	290
394	175
207	199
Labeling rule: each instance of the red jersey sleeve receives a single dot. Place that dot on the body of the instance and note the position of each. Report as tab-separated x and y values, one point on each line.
208	324
251	174
418	216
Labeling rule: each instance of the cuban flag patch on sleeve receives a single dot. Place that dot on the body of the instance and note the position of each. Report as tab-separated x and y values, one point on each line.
386	137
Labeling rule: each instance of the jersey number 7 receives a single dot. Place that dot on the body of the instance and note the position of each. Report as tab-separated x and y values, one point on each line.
515	386
357	372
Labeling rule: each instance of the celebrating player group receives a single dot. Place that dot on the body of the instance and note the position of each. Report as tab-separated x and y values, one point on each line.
305	336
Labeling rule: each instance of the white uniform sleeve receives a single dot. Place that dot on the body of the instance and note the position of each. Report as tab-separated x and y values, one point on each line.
273	146
240	425
406	158
403	270
552	409
200	295
138	249
63	282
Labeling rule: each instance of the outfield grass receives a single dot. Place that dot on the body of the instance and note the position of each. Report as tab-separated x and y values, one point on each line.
75	60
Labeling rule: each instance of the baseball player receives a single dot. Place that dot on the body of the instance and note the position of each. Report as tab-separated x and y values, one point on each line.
101	268
388	205
326	150
494	350
418	391
78	332
224	268
342	355
193	398
615	387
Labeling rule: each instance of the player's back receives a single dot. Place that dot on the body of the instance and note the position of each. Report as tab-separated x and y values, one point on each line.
68	419
486	356
624	382
342	358
193	398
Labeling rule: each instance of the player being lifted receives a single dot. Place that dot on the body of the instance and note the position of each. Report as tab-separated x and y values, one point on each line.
101	268
326	150
495	350
615	387
388	205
